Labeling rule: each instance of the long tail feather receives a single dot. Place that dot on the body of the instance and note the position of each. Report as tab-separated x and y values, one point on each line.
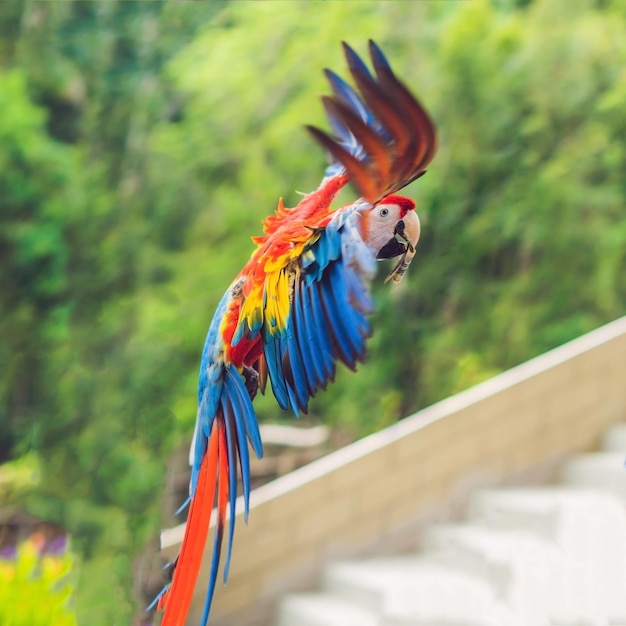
231	441
222	503
177	599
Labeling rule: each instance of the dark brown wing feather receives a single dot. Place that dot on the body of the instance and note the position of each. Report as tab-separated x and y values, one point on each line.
393	144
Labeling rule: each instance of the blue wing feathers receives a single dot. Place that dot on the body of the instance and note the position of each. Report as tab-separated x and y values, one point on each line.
306	343
317	321
378	58
334	323
358	297
326	249
273	350
355	63
294	369
243	410
293	402
349	96
353	293
347	321
327	321
316	336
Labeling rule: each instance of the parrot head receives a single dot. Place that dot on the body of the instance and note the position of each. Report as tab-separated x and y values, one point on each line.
391	229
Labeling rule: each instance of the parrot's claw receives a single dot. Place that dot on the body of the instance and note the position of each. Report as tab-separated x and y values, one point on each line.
252	381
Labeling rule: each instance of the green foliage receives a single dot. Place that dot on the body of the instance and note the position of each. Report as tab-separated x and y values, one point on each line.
78	89
523	238
18	477
36	589
141	144
534	194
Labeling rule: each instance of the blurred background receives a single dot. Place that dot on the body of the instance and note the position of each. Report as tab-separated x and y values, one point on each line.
141	144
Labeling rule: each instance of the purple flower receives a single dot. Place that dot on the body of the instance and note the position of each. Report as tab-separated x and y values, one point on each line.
57	546
8	553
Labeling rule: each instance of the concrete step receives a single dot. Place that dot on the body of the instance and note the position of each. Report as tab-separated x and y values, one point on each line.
545	511
615	439
498	614
603	471
323	609
587	566
519	565
412	586
541	556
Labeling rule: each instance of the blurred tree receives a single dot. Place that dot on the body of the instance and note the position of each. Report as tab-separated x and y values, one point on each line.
533	159
528	175
79	89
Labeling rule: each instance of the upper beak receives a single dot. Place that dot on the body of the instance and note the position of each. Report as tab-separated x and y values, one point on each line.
403	243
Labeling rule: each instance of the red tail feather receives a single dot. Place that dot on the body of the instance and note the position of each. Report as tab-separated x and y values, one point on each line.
222	492
177	599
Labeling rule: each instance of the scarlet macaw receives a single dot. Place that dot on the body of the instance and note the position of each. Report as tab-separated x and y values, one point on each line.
301	302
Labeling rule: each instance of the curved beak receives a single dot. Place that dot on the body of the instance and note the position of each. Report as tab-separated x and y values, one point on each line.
403	244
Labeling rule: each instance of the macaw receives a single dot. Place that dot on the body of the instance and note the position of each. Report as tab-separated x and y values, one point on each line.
302	301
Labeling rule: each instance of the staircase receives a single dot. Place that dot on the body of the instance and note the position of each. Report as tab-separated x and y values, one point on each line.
541	556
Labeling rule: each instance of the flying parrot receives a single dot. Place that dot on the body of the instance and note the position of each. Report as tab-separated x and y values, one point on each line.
302	301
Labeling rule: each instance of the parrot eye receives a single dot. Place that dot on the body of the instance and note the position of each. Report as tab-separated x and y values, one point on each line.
383	212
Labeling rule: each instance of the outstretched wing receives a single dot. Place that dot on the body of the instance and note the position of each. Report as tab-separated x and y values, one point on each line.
327	304
384	139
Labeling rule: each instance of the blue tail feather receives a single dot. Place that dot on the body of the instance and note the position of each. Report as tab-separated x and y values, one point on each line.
215	561
232	484
244	457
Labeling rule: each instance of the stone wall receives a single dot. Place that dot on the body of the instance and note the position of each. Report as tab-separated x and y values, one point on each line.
375	495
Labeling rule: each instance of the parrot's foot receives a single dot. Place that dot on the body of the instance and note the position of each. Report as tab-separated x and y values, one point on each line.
252	380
